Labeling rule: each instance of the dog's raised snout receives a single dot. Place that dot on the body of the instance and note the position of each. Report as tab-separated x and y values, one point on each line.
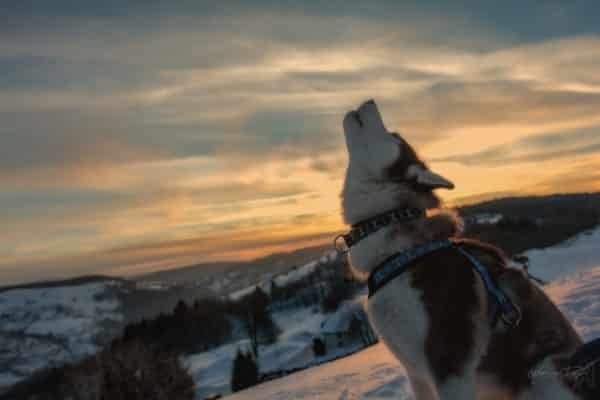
370	116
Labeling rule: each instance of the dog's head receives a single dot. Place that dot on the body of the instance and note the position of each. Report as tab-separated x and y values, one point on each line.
384	172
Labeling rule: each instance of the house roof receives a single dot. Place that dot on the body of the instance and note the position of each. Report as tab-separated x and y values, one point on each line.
339	322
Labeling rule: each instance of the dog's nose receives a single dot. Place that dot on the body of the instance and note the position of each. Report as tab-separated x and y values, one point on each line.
370	117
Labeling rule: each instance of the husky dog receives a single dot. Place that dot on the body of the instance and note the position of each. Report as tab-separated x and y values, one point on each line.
436	317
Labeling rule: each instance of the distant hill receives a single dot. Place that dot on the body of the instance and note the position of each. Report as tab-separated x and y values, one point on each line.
81	280
51	323
271	264
534	221
538	206
209	280
526	222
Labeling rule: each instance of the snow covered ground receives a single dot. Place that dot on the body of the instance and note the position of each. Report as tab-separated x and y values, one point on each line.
573	267
287	278
293	349
43	327
371	374
579	253
573	270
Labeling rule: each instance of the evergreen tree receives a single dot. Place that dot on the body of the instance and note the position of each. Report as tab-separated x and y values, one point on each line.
319	348
244	372
181	309
258	321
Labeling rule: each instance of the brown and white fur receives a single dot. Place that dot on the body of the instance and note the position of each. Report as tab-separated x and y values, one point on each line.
434	318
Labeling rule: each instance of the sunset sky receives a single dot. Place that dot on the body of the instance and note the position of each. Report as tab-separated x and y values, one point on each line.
137	135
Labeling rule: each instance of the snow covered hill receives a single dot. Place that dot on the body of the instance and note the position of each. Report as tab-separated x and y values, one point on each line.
211	370
43	327
288	277
573	267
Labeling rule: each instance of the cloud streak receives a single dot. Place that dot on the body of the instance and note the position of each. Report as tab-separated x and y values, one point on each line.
544	147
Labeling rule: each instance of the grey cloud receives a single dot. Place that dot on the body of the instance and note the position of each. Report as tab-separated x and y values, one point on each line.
534	148
556	19
66	209
447	105
334	167
242	191
492	155
577	151
273	117
296	131
564	138
362	76
54	147
270	117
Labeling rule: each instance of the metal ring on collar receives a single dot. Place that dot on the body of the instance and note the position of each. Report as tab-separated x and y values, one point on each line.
340	247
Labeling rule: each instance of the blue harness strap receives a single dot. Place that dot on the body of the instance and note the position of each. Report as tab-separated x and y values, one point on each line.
399	263
509	312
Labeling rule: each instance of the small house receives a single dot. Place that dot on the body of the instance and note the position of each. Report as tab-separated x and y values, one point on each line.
348	326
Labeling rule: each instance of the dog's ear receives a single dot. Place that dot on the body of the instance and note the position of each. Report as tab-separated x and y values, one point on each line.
424	176
433	180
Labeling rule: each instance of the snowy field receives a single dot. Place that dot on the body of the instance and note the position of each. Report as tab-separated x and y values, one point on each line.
293	349
40	328
371	374
573	268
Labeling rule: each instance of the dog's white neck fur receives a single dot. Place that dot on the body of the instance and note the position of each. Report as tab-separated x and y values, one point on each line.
373	250
364	197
